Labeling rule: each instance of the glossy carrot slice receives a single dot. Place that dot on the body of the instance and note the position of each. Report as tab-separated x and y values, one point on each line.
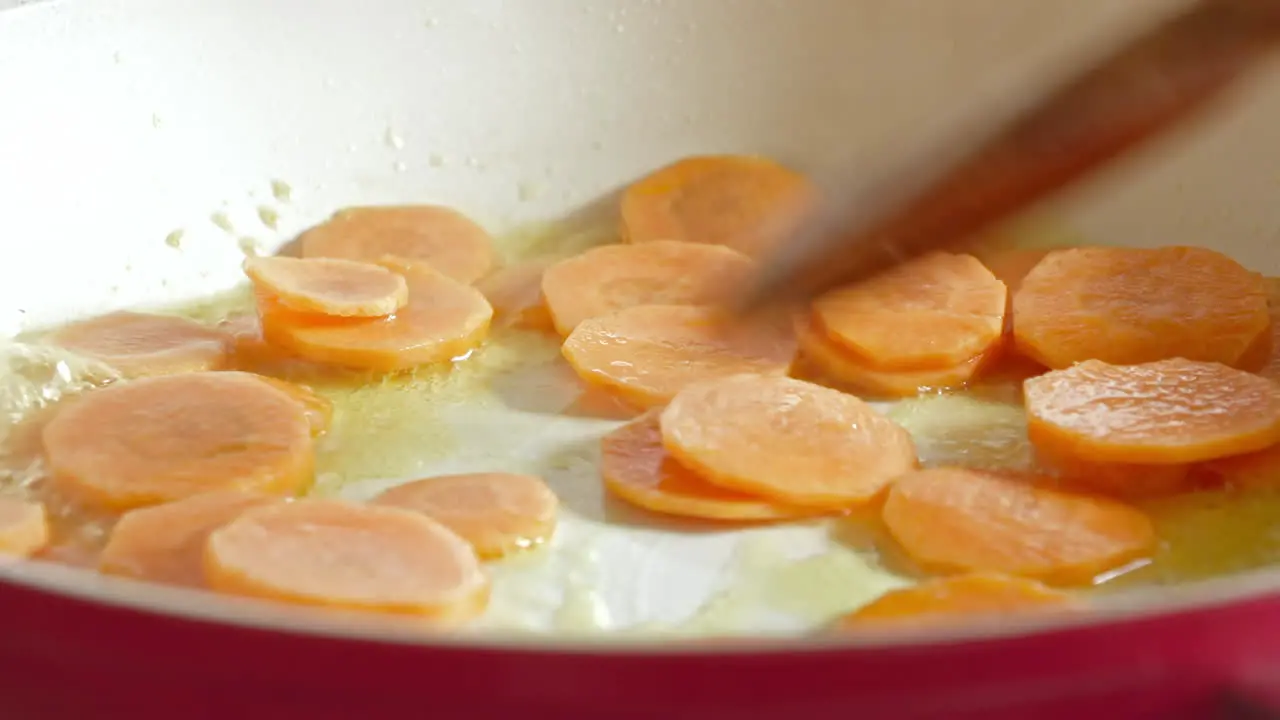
443	320
637	469
838	366
609	278
515	292
648	353
251	352
328	286
24	527
1122	480
745	203
959	597
1129	306
965	520
337	554
1251	471
937	311
1170	412
162	439
1263	356
786	440
498	513
444	239
142	344
165	543
319	409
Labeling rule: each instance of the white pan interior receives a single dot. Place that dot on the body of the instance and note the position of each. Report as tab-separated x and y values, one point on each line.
123	122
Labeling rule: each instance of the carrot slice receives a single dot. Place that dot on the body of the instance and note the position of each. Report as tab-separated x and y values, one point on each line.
24	527
1123	480
605	279
1264	355
937	311
162	439
498	513
647	353
1129	306
319	409
948	599
337	554
445	239
251	352
637	468
1012	266
515	292
1170	412
444	319
328	286
165	543
141	344
967	520
1252	471
842	368
786	440
746	203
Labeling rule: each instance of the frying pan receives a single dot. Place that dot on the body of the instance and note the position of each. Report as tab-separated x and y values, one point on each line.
124	121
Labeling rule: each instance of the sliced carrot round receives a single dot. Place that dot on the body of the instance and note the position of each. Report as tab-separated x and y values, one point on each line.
338	554
319	409
1169	412
329	286
444	319
251	352
959	596
445	239
637	468
966	520
1266	350
24	527
498	513
1251	471
1128	306
842	368
648	353
664	272
746	203
1123	480
165	543
141	344
786	440
162	439
937	311
515	292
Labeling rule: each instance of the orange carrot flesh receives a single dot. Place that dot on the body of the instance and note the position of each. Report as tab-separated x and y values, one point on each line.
749	204
637	469
142	344
342	555
1170	412
24	527
1132	306
965	520
609	278
959	597
442	238
498	513
786	440
648	353
328	286
162	439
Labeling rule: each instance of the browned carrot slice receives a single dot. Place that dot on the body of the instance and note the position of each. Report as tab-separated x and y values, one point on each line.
838	366
949	599
967	520
319	409
141	344
786	440
498	513
445	239
605	279
165	543
637	468
1122	480
746	203
338	554
515	292
24	527
1129	306
328	286
162	439
937	311
444	319
1170	412
647	353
